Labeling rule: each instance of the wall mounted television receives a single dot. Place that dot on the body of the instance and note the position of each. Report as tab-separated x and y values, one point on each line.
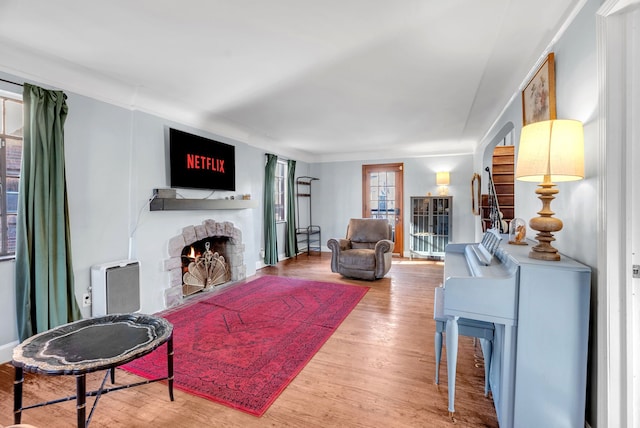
200	163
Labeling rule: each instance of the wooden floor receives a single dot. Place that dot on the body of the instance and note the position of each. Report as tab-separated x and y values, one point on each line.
377	370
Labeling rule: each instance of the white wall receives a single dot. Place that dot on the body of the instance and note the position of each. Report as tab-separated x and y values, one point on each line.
9	331
156	228
576	98
97	141
114	159
575	204
337	196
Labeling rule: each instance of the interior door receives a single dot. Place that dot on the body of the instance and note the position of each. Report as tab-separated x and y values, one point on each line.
616	371
382	186
632	180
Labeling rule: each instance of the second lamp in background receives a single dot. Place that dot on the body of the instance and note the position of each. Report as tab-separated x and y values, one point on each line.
442	180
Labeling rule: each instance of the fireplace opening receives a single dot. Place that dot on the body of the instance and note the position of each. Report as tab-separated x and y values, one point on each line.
204	265
223	238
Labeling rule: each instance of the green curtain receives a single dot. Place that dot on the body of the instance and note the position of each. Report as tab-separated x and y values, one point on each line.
270	235
44	273
291	248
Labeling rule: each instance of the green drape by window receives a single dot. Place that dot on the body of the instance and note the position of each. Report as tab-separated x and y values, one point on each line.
291	248
44	273
270	235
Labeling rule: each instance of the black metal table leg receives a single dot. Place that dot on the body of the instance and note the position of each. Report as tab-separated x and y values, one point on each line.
170	366
17	395
81	399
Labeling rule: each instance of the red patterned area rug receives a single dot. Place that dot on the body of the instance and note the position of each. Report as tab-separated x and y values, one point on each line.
243	346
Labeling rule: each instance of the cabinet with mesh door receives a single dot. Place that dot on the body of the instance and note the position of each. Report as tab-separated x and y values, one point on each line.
430	226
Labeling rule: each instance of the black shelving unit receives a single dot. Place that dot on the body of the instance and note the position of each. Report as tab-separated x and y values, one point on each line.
307	236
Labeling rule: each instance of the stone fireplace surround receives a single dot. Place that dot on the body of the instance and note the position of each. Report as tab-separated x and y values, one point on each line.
233	254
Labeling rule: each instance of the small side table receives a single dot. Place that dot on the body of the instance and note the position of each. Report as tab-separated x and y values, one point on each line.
90	345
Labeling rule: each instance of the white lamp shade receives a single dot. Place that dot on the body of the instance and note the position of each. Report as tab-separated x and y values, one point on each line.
442	178
551	147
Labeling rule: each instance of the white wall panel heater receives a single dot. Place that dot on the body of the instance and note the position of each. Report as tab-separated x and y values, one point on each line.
115	288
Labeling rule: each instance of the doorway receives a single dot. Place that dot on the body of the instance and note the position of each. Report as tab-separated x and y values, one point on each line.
499	162
382	190
617	298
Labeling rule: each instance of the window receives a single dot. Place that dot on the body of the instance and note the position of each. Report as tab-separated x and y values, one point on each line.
280	190
10	162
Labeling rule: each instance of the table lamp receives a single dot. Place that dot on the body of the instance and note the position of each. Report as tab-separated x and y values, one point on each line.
442	180
550	151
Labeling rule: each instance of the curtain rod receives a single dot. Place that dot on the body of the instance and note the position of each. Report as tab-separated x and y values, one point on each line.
9	81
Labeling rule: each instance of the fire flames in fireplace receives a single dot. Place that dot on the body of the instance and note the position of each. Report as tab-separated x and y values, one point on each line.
202	269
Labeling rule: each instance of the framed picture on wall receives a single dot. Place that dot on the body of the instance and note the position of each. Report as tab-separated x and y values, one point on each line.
539	96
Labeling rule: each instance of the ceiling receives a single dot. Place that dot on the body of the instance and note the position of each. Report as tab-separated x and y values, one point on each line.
315	80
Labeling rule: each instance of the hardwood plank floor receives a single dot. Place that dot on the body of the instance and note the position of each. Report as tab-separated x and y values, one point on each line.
377	370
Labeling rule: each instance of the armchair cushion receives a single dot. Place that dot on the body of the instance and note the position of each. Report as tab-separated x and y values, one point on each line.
366	232
359	259
366	252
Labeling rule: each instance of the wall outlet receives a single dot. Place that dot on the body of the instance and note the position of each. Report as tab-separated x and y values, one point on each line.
86	300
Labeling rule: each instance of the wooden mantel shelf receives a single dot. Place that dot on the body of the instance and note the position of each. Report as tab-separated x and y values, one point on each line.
174	204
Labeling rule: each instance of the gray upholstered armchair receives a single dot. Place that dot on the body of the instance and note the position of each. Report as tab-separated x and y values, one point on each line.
366	251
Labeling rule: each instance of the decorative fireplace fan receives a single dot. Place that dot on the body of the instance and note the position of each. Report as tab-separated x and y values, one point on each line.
206	271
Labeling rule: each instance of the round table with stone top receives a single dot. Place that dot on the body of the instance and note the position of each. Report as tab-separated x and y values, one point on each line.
90	345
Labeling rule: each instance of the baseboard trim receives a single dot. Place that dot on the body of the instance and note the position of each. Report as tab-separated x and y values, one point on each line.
6	351
260	263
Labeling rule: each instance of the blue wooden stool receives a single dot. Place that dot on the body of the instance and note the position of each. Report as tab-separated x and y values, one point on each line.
466	327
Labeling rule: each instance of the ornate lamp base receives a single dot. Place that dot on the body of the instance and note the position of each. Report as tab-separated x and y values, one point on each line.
545	224
544	250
